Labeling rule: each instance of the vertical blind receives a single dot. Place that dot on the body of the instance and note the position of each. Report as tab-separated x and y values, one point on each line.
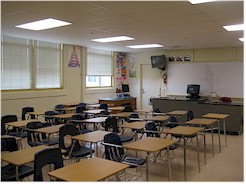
99	62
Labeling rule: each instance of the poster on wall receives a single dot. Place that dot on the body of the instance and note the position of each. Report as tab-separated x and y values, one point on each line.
73	56
132	60
120	70
120	66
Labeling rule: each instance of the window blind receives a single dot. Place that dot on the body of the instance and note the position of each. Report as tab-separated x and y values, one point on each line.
16	63
99	62
48	65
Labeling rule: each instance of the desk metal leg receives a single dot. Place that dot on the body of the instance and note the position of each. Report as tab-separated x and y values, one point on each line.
169	164
147	167
204	145
219	136
184	158
224	131
198	158
212	130
17	173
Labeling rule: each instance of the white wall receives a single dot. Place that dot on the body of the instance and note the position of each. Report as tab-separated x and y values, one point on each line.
12	102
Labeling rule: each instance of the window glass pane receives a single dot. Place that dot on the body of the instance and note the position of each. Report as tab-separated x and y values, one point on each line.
15	63
98	81
48	65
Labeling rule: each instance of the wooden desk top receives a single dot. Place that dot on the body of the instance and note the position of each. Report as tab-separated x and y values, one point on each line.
215	115
134	125
23	156
143	110
94	111
156	118
201	121
10	136
118	108
49	130
122	114
36	113
66	109
177	113
93	169
72	104
19	124
92	120
183	130
65	116
94	137
149	144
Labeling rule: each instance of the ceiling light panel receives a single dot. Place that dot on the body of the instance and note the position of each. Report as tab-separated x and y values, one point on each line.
43	24
113	39
236	27
200	1
145	46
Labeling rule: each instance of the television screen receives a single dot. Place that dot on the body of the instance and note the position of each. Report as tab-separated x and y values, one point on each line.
125	88
193	89
158	61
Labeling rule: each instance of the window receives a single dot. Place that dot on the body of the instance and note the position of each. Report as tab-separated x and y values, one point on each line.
29	64
99	68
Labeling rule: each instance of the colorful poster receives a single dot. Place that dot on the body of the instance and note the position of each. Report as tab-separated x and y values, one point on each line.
120	66
73	56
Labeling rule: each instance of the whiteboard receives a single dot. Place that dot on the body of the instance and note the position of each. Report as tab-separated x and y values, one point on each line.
224	78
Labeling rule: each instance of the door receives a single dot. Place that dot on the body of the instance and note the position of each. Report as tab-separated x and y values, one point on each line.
151	85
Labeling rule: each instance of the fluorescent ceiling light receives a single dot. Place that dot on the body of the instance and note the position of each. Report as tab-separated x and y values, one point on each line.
113	39
43	24
241	39
145	46
236	27
200	1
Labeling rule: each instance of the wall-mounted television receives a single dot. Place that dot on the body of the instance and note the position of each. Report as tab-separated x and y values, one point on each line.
193	90
158	61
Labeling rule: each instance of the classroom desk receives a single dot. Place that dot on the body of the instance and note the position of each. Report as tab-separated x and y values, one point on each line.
95	111
219	117
70	109
92	137
48	130
95	121
18	124
92	169
144	111
204	122
93	106
151	145
118	109
22	157
157	119
72	104
35	113
186	131
139	125
62	116
178	113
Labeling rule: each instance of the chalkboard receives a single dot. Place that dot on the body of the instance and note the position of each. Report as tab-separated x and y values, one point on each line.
224	78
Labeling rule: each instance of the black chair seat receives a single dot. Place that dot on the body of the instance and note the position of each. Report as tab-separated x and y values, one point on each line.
134	161
8	173
125	138
20	134
82	152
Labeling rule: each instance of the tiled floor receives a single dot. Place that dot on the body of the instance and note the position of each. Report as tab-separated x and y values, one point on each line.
225	166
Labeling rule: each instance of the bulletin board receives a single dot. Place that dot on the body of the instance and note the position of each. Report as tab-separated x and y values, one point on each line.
224	78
